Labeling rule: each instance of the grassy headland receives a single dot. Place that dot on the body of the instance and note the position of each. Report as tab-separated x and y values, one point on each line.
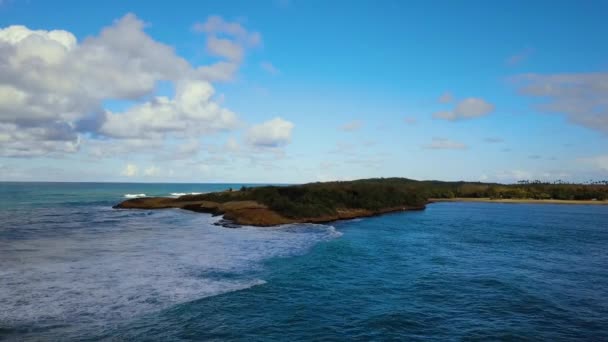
329	201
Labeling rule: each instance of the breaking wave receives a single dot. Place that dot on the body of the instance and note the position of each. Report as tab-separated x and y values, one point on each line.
178	194
111	266
134	195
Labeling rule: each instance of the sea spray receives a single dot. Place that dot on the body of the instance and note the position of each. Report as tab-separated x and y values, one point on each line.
134	195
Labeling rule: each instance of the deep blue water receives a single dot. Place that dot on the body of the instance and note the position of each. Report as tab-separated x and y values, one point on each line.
73	268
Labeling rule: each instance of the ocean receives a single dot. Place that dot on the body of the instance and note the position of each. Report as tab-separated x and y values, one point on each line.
73	268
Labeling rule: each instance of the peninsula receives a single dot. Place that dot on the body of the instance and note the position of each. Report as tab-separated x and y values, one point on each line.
307	203
331	201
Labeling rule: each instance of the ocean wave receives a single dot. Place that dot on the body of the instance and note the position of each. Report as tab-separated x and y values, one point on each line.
178	194
326	230
334	232
123	266
134	195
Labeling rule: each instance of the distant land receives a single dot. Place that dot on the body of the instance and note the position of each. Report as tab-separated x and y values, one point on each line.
517	200
330	201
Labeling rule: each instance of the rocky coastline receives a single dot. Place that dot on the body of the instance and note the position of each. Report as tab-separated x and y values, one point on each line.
251	213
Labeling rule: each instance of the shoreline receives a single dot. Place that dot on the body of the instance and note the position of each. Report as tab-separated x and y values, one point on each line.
324	202
517	201
251	213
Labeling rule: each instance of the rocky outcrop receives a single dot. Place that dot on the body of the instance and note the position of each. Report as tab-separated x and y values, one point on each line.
250	213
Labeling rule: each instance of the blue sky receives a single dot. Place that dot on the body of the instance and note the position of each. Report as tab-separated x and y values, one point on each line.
298	91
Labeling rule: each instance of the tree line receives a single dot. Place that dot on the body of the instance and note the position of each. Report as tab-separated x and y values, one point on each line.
317	199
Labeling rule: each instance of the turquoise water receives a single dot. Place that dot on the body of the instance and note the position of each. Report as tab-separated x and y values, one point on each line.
73	268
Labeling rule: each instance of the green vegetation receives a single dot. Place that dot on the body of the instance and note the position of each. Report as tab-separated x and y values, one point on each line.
522	190
318	199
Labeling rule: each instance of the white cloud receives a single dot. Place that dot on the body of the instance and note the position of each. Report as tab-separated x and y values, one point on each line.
190	113
445	144
130	170
56	138
227	40
466	109
221	71
446	97
225	48
582	97
271	69
97	148
445	115
216	25
272	133
351	126
188	149
53	87
473	107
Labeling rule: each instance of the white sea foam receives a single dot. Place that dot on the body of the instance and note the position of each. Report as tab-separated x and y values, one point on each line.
120	265
178	194
134	195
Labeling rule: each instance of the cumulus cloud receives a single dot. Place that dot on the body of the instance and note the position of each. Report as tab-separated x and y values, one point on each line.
225	48
227	40
272	133
445	144
269	68
53	87
56	138
466	109
221	71
351	126
446	97
191	112
581	97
